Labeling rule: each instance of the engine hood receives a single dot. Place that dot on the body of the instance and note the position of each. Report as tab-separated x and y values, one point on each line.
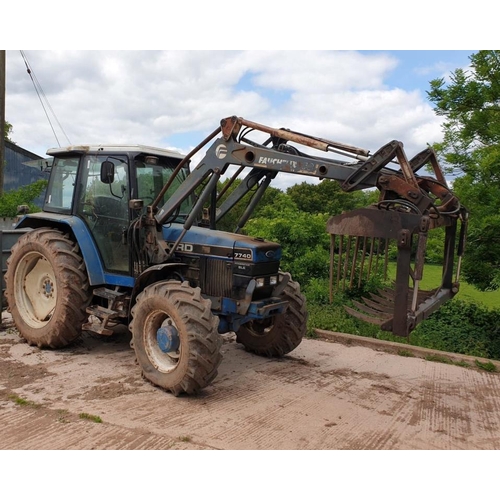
200	241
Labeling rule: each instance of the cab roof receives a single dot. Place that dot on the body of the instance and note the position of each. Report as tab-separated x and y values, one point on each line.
115	148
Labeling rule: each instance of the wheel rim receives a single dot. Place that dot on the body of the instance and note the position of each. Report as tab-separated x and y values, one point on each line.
260	328
164	358
36	290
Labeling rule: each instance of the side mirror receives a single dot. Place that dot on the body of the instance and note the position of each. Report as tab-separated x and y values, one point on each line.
107	172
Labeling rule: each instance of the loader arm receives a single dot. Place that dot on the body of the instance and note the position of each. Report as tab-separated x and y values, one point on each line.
278	154
409	206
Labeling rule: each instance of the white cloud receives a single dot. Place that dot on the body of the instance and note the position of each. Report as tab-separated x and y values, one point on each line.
320	71
150	97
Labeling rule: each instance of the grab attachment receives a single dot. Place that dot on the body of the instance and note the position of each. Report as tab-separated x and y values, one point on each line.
361	243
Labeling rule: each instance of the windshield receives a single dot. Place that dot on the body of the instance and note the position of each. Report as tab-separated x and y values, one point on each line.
152	178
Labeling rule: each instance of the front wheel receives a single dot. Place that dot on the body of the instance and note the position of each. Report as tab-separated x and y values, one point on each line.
47	288
277	335
175	337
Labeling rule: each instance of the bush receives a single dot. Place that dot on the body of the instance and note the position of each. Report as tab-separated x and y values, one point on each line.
461	327
24	195
332	316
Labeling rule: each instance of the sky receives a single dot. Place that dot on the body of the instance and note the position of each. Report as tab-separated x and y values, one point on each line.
174	99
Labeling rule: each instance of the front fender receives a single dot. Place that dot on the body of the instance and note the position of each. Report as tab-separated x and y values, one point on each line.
156	273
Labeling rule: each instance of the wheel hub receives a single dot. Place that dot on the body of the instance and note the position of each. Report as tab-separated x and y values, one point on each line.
37	289
167	337
48	287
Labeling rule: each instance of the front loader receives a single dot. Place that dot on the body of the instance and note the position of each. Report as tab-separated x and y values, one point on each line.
129	234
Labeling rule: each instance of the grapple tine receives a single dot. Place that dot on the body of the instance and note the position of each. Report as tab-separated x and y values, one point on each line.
332	259
346	262
354	261
386	258
387	293
339	263
379	241
361	268
372	312
379	306
370	260
382	300
387	303
364	317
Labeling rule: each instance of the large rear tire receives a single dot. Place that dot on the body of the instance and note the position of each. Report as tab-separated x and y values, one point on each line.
277	335
189	362
47	288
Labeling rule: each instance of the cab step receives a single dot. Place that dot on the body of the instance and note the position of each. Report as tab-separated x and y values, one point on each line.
100	316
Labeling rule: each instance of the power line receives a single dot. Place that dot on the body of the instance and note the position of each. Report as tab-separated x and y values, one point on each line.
40	93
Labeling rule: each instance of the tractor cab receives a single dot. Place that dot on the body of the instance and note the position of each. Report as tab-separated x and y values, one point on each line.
96	183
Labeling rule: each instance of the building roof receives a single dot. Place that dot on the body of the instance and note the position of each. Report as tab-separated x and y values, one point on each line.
14	147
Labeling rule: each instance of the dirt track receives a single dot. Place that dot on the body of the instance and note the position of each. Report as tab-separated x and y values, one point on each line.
322	396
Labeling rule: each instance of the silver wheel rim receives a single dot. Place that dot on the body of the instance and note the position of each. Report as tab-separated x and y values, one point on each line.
36	290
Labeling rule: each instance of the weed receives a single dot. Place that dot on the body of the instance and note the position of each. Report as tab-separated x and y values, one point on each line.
92	418
406	353
463	364
62	414
489	366
185	439
22	402
439	359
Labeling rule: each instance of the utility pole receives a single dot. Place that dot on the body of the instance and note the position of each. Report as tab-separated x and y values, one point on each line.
2	118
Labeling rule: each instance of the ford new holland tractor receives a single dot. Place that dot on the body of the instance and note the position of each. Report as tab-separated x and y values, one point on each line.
128	235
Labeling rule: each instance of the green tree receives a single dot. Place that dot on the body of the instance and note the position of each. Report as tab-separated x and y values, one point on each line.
302	236
470	105
326	197
7	130
230	220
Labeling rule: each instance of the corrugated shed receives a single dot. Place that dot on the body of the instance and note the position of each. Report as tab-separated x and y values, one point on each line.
16	173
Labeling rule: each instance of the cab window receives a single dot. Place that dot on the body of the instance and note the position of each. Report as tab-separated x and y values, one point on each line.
61	188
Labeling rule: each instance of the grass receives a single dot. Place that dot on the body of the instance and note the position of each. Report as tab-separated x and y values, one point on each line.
405	353
468	293
22	402
92	418
488	366
439	359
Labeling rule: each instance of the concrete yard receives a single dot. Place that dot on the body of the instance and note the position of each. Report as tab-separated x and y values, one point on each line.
325	395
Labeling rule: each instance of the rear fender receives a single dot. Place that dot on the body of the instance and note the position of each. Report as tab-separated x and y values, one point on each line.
74	225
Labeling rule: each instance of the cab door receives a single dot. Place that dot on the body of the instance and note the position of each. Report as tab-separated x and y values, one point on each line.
104	208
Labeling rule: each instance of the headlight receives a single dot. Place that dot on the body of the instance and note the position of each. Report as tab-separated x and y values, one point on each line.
260	282
273	280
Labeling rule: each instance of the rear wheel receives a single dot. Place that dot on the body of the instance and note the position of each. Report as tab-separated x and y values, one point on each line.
175	337
277	335
47	288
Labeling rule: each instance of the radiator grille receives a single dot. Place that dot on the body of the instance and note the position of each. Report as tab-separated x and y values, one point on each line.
218	279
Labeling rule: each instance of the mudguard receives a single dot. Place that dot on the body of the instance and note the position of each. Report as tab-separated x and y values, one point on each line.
95	269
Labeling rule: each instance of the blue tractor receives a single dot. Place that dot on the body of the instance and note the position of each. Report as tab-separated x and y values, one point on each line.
129	234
